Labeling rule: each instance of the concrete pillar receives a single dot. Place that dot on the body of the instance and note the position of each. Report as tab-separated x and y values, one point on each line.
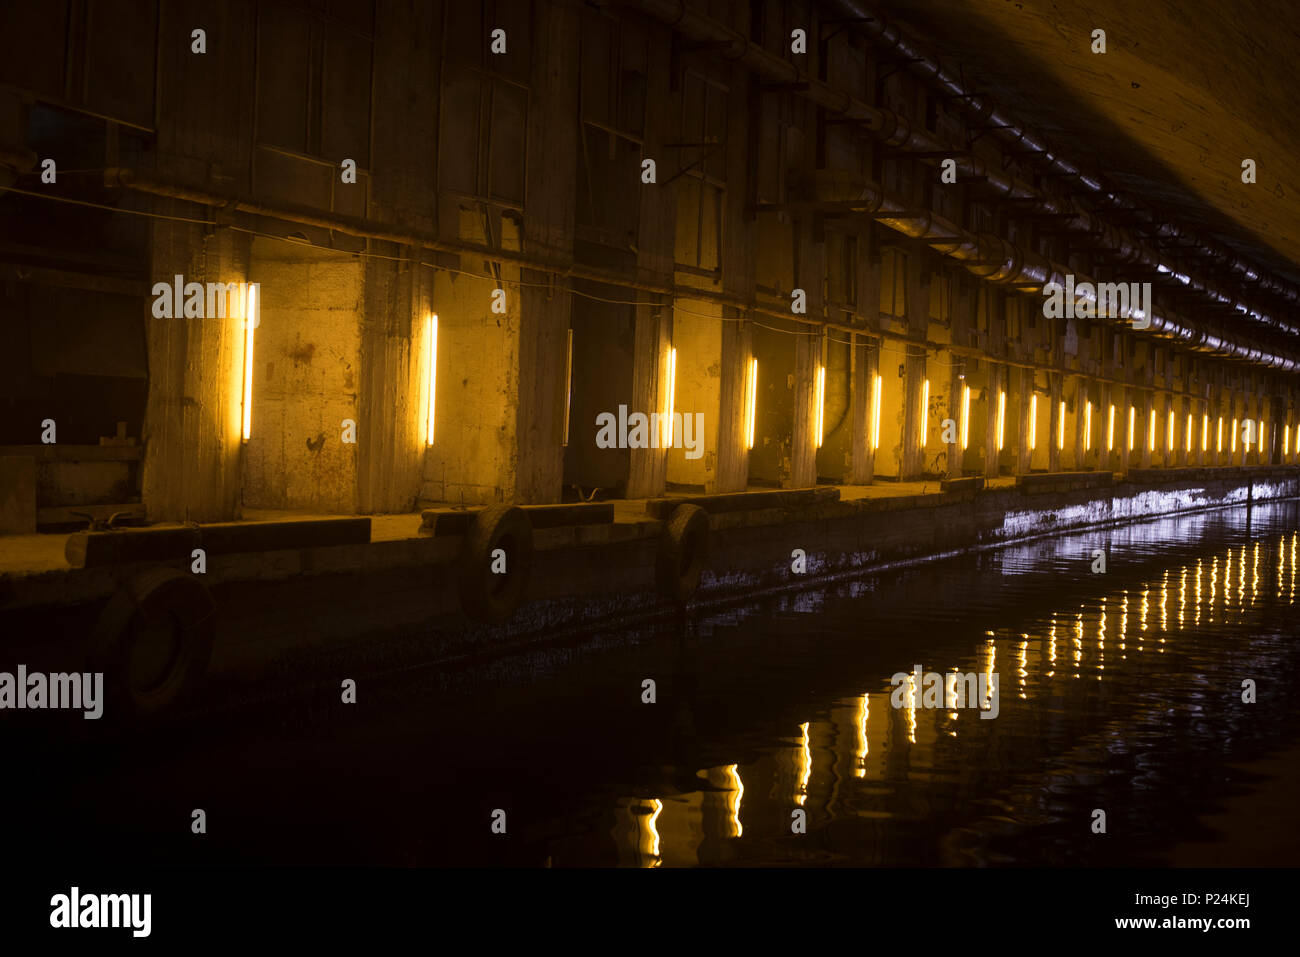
864	358
732	473
1054	443
803	452
913	412
956	387
193	414
993	457
1023	403
648	467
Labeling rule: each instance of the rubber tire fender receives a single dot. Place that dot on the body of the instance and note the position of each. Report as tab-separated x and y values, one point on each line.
683	547
487	596
160	600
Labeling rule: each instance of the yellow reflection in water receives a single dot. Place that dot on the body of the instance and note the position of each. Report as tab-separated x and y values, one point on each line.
988	671
1291	596
1101	640
911	708
1214	582
1051	649
734	795
1164	598
1078	642
1123	625
1198	591
1182	595
1241	579
805	765
1254	580
864	710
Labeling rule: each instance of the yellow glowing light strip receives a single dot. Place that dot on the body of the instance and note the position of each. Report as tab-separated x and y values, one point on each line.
568	386
1234	436
1087	426
1260	436
1002	417
1219	443
1060	427
1132	419
432	337
1151	431
1169	441
751	402
1033	422
925	411
875	414
965	416
821	402
1205	431
1189	431
1110	429
1286	441
672	389
250	320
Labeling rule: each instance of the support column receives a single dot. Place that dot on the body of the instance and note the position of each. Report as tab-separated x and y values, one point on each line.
733	456
864	358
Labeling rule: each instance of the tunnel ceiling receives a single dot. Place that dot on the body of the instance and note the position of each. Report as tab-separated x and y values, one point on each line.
1184	93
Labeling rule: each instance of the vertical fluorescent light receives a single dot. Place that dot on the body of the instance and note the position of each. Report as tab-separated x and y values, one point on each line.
1132	421
1286	442
671	397
1259	438
1002	417
250	321
1060	427
820	399
875	414
1087	426
1110	429
1219	443
1151	430
751	401
1234	435
431	336
568	385
1033	421
1189	431
1205	431
965	417
925	411
1169	430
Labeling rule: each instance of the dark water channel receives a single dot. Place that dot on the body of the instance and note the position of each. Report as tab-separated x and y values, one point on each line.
1118	691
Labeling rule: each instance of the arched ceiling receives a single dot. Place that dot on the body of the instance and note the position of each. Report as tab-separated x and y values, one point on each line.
1185	91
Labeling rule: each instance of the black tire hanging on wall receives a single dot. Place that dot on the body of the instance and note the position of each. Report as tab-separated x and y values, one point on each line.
486	595
153	642
683	547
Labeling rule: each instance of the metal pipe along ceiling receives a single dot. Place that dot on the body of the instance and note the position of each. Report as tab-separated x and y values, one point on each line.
891	38
996	260
897	131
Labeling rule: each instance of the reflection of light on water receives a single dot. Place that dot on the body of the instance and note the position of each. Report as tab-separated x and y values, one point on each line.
1281	565
1214	581
988	672
1227	582
1078	642
1164	598
1291	598
864	709
1051	649
1241	579
1123	625
911	708
1254	580
1182	595
805	765
1101	640
733	800
1198	591
1024	654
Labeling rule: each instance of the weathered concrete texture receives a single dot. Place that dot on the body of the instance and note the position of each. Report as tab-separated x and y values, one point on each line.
307	360
192	423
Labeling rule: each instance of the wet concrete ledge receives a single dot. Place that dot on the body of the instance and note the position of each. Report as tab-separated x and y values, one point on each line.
599	570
